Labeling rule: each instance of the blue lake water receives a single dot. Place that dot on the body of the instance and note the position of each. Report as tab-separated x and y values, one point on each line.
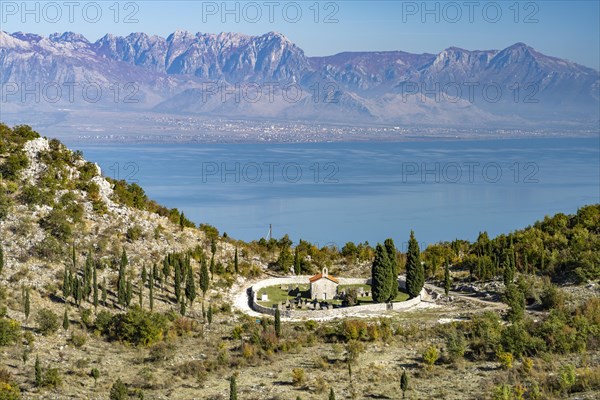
332	193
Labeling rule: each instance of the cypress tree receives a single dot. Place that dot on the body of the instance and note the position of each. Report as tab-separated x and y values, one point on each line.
204	278
381	275
1	258
213	246
73	257
182	308
141	293
232	388
515	298
278	322
151	294
144	274
415	275
297	265
331	394
236	264
177	281
212	266
79	291
27	305
87	275
391	253
181	220
509	273
190	286
128	293
66	289
447	280
209	314
122	283
75	290
38	372
65	320
95	286
404	383
203	313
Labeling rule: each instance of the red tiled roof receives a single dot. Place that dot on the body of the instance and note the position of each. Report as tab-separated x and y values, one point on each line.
319	276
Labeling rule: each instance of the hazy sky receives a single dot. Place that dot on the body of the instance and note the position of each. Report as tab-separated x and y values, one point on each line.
566	29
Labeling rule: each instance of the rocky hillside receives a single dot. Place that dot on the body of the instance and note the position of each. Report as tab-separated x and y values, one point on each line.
53	200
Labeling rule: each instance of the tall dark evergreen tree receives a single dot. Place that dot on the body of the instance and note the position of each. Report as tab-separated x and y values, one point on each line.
141	293
38	372
209	314
447	280
87	276
190	286
236	262
128	292
144	274
232	388
182	308
27	305
404	383
122	280
1	258
151	291
177	281
509	271
65	320
278	322
212	266
297	265
331	394
66	289
391	253
381	275
73	257
95	286
204	278
415	275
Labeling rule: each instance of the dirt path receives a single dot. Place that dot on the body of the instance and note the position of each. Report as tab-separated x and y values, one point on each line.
496	305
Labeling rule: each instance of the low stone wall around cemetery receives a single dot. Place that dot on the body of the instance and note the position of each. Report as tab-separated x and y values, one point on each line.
327	313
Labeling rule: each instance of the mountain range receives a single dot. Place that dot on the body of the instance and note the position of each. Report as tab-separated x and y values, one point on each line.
268	76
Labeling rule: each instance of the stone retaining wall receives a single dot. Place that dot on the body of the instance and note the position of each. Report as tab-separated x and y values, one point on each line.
336	312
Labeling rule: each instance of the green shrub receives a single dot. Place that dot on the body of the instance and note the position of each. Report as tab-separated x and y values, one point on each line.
137	326
134	233
10	331
456	345
298	377
9	391
78	340
57	225
52	378
47	321
118	391
353	329
484	333
430	356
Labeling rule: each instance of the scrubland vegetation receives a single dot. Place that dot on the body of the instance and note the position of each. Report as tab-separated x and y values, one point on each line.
106	294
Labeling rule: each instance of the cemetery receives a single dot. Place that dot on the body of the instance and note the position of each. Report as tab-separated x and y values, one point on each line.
321	295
